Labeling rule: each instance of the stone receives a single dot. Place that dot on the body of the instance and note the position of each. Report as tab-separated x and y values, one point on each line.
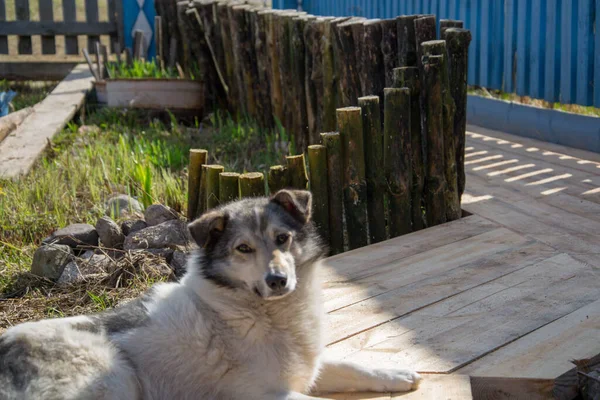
50	260
132	226
179	262
157	214
80	269
122	205
170	234
75	235
109	233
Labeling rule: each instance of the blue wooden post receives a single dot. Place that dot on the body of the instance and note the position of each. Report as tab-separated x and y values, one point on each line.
139	14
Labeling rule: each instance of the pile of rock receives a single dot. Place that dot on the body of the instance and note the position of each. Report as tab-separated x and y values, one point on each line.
82	251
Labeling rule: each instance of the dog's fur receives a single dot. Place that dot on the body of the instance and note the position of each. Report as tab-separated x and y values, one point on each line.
220	333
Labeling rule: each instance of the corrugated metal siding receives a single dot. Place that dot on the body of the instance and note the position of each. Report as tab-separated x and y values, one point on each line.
545	49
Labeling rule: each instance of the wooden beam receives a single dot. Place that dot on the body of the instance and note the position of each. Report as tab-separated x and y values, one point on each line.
31	70
52	28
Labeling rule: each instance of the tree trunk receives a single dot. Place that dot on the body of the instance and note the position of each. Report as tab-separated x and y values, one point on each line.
252	184
229	189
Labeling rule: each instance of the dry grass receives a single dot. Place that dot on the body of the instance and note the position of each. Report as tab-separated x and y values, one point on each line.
30	297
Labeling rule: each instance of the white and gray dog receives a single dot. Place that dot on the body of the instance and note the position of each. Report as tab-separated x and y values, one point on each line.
245	322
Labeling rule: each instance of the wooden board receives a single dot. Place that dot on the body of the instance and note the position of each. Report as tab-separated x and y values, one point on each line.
454	332
155	94
20	150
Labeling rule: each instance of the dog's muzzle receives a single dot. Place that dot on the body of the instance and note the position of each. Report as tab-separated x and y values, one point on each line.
277	282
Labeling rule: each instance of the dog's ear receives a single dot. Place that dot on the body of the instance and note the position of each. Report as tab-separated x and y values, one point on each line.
298	203
207	229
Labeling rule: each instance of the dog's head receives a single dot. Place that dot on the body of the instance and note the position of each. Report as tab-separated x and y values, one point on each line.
258	244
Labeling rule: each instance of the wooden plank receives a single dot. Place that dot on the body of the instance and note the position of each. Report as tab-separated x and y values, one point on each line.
91	16
406	286
452	333
115	16
351	264
22	14
51	28
509	388
568	157
3	38
447	387
46	14
10	122
155	94
19	151
547	352
70	16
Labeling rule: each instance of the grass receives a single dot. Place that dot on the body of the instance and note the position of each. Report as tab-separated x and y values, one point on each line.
117	152
572	108
140	69
29	93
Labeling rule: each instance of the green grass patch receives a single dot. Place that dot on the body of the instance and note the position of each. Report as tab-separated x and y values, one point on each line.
140	69
123	152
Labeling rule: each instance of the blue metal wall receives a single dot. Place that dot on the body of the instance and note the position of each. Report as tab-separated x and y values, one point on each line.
546	49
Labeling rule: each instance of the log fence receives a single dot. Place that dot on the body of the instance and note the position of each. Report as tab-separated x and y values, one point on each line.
378	106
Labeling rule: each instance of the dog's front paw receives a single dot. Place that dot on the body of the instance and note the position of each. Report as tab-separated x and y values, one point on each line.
397	380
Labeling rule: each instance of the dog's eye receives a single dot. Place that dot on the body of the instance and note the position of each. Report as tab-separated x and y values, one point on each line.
282	238
244	248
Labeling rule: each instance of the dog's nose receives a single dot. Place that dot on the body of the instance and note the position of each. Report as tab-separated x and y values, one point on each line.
276	281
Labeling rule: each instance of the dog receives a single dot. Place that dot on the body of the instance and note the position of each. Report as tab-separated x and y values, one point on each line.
244	322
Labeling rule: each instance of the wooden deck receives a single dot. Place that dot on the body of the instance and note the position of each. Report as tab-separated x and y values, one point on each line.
498	302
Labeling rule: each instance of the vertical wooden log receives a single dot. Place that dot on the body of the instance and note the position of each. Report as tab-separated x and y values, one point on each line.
373	66
160	59
432	122
358	36
407	42
298	62
202	193
104	52
99	66
128	57
172	40
408	77
282	22
91	15
349	79
389	48
317	161
198	157
252	184
313	77
267	19
333	144
212	185
138	45
296	168
241	44
229	61
438	48
115	15
278	178
186	43
47	14
424	32
458	52
22	14
355	186
374	173
446	24
263	70
397	160
262	105
229	189
329	101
